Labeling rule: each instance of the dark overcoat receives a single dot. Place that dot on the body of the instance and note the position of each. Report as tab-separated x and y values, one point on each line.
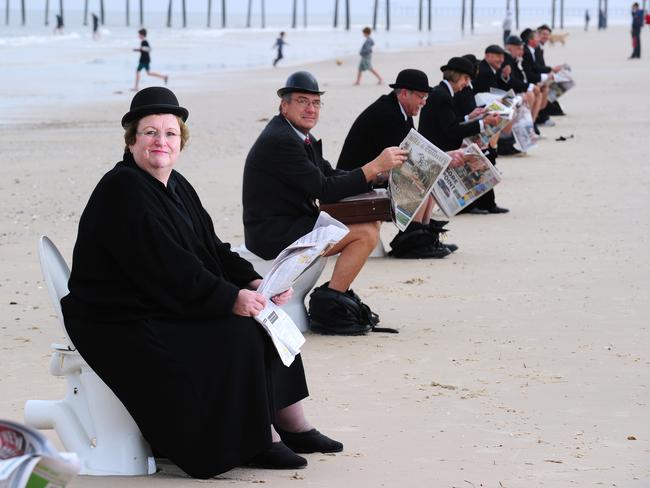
382	124
518	80
441	123
533	67
486	79
150	309
283	177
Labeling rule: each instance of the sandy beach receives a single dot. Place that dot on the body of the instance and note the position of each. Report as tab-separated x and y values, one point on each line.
523	357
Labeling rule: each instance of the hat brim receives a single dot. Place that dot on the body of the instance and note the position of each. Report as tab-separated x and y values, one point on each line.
288	89
161	108
458	69
411	87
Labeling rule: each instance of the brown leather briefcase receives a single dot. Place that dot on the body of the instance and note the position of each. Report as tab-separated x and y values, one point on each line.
367	207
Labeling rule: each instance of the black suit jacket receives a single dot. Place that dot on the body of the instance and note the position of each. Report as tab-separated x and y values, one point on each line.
441	123
282	179
532	67
487	79
464	101
518	80
379	126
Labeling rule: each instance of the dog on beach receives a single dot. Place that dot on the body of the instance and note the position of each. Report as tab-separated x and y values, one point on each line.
561	38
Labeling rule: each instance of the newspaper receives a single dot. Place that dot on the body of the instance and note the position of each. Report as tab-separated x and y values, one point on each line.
28	459
562	82
285	270
410	184
523	129
460	186
505	104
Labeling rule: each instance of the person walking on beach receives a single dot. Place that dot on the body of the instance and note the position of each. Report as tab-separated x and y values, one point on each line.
279	44
587	19
95	26
59	25
145	60
366	57
637	24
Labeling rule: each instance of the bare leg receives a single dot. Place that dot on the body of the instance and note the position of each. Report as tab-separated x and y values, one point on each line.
424	214
137	81
380	80
355	249
158	75
358	78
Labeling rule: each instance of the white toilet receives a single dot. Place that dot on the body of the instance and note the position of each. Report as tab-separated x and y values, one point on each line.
295	308
90	421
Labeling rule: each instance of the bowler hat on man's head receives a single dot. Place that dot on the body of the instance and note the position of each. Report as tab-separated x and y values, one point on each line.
300	82
459	64
154	100
494	49
514	41
412	79
544	27
525	35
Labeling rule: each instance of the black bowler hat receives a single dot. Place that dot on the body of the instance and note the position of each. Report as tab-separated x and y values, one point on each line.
461	65
412	79
514	40
525	35
544	27
494	49
154	100
472	58
301	82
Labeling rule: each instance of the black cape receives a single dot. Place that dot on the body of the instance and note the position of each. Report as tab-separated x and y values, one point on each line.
441	123
283	177
151	293
380	125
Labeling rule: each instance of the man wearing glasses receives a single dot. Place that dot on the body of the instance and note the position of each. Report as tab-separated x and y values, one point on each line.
284	175
387	121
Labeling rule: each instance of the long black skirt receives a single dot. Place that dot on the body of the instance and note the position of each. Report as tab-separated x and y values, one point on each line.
203	393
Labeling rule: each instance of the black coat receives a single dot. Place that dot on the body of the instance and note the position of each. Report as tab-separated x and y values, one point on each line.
486	79
150	309
464	101
533	67
282	179
380	125
441	124
518	79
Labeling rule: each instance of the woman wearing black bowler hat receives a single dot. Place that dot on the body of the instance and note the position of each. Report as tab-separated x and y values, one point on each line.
198	375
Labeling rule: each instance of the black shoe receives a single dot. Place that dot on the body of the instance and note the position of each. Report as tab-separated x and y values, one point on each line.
536	129
450	246
310	441
508	150
477	211
278	456
497	210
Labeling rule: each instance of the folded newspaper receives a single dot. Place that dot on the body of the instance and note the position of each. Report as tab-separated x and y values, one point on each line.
495	101
28	459
410	184
460	186
285	270
562	82
523	129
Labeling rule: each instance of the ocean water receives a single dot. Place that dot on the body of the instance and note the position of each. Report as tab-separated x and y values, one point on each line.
39	67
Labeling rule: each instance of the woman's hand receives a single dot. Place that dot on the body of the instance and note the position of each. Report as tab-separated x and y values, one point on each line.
248	303
282	298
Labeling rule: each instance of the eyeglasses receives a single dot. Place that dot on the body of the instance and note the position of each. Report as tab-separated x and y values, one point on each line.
154	134
305	102
421	97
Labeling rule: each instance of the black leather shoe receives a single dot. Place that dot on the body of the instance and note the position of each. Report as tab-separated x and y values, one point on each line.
450	246
477	211
310	441
278	456
497	210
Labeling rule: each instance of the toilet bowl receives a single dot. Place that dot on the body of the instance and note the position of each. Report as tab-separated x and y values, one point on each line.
295	307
